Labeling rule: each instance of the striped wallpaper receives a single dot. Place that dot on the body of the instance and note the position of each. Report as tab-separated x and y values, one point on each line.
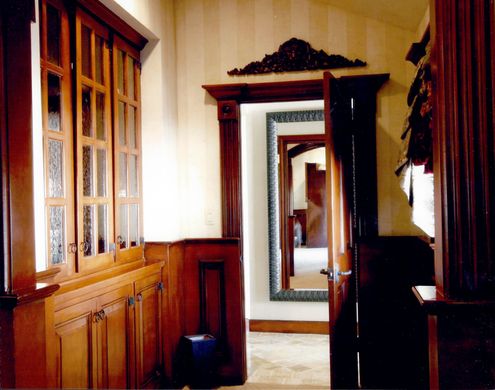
214	36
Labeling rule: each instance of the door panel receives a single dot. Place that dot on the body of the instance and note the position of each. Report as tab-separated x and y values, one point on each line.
75	350
115	339
148	332
343	362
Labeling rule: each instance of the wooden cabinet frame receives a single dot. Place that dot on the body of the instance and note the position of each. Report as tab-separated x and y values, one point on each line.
64	135
94	260
94	133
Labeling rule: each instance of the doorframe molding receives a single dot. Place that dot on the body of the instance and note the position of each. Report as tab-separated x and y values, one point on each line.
229	97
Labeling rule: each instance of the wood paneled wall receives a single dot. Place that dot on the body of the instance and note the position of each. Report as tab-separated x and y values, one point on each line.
206	295
463	68
460	307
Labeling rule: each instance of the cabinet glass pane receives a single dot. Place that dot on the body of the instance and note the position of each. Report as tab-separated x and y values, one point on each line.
88	230
132	127
55	169
120	71
54	115
101	172
86	50
130	77
57	234
102	228
122	175
134	224
53	34
87	120
122	132
133	182
122	237
100	116
88	170
99	44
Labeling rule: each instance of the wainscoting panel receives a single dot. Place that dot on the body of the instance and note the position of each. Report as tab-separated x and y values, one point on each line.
205	294
214	301
212	290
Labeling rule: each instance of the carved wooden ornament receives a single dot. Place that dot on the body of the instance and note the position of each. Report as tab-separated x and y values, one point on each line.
296	55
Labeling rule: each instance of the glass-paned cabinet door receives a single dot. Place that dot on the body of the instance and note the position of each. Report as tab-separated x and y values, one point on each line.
127	159
94	145
57	137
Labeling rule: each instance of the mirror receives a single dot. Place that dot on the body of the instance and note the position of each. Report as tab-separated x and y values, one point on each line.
296	205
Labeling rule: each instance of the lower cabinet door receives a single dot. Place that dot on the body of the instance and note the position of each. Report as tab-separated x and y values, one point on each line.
148	331
75	329
116	339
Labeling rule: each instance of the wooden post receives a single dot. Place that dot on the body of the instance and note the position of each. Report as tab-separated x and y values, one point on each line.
460	307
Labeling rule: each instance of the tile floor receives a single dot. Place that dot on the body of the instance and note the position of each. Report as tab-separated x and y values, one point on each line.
286	361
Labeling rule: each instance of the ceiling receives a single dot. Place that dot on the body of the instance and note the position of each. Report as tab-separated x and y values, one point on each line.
402	13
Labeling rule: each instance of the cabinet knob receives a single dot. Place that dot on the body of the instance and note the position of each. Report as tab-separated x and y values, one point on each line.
72	248
84	246
139	297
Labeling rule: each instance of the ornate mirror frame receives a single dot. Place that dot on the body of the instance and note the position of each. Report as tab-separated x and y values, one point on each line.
275	268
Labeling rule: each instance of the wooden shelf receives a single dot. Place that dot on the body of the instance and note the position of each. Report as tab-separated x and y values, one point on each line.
418	49
434	302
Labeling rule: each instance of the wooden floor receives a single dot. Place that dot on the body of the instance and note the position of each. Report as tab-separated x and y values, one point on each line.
286	361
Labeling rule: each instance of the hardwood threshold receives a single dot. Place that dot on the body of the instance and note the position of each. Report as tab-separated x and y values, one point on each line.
279	326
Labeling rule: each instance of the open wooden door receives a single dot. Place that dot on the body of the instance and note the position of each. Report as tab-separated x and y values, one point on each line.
341	291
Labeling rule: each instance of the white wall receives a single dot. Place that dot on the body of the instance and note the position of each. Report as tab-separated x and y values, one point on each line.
255	215
155	19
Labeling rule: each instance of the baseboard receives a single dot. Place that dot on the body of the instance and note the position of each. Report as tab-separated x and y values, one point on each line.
278	326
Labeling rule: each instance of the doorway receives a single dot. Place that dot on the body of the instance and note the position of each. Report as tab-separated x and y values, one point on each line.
269	354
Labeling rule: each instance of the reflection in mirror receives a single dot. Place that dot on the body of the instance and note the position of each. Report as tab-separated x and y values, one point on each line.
296	205
303	211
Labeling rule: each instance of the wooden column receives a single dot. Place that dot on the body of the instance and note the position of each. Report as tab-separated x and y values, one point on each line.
230	159
460	307
16	143
463	67
24	318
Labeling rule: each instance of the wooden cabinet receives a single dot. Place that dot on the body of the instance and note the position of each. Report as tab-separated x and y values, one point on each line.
75	329
112	339
115	338
148	329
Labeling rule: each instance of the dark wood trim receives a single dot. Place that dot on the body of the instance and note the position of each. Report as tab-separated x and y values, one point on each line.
224	241
41	291
434	302
18	271
306	147
230	96
464	133
114	22
230	160
280	326
267	92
